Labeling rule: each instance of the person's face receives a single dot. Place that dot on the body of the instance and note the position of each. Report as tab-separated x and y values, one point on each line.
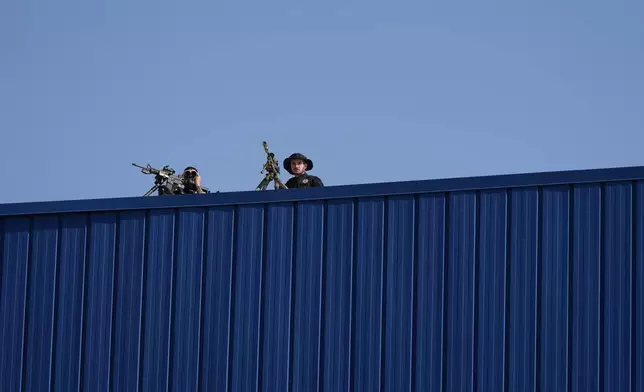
298	166
197	177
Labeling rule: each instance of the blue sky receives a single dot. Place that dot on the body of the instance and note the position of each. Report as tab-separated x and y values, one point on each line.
371	91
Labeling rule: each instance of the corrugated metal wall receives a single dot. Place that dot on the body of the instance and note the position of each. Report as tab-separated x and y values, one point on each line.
512	289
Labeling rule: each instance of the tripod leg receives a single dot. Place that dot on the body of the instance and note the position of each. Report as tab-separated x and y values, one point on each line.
262	185
151	191
279	184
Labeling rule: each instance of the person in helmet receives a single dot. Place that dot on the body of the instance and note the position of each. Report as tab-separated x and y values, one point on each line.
298	165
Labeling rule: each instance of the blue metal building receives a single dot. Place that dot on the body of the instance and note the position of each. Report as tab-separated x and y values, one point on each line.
519	282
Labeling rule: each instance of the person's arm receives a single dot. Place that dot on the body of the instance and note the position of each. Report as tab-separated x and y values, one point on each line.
316	181
198	184
291	183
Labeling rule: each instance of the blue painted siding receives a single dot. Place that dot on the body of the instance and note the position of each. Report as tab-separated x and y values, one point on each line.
399	293
367	332
616	286
13	311
157	300
217	309
69	303
128	300
430	300
307	296
186	317
554	289
41	295
338	283
586	290
248	299
503	283
522	286
99	294
460	295
278	297
491	291
638	289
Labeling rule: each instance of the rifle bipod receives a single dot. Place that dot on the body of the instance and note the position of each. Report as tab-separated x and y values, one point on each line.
152	190
267	180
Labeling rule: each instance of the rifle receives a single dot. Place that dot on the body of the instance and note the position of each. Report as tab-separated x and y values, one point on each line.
165	180
272	170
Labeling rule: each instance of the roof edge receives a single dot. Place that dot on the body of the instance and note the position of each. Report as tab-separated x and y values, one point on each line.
457	184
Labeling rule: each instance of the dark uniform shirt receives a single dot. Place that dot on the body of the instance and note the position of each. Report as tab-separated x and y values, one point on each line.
304	181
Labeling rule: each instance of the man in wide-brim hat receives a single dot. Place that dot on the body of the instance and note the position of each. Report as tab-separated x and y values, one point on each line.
298	164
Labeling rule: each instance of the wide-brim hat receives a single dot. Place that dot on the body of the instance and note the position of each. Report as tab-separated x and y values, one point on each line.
297	155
